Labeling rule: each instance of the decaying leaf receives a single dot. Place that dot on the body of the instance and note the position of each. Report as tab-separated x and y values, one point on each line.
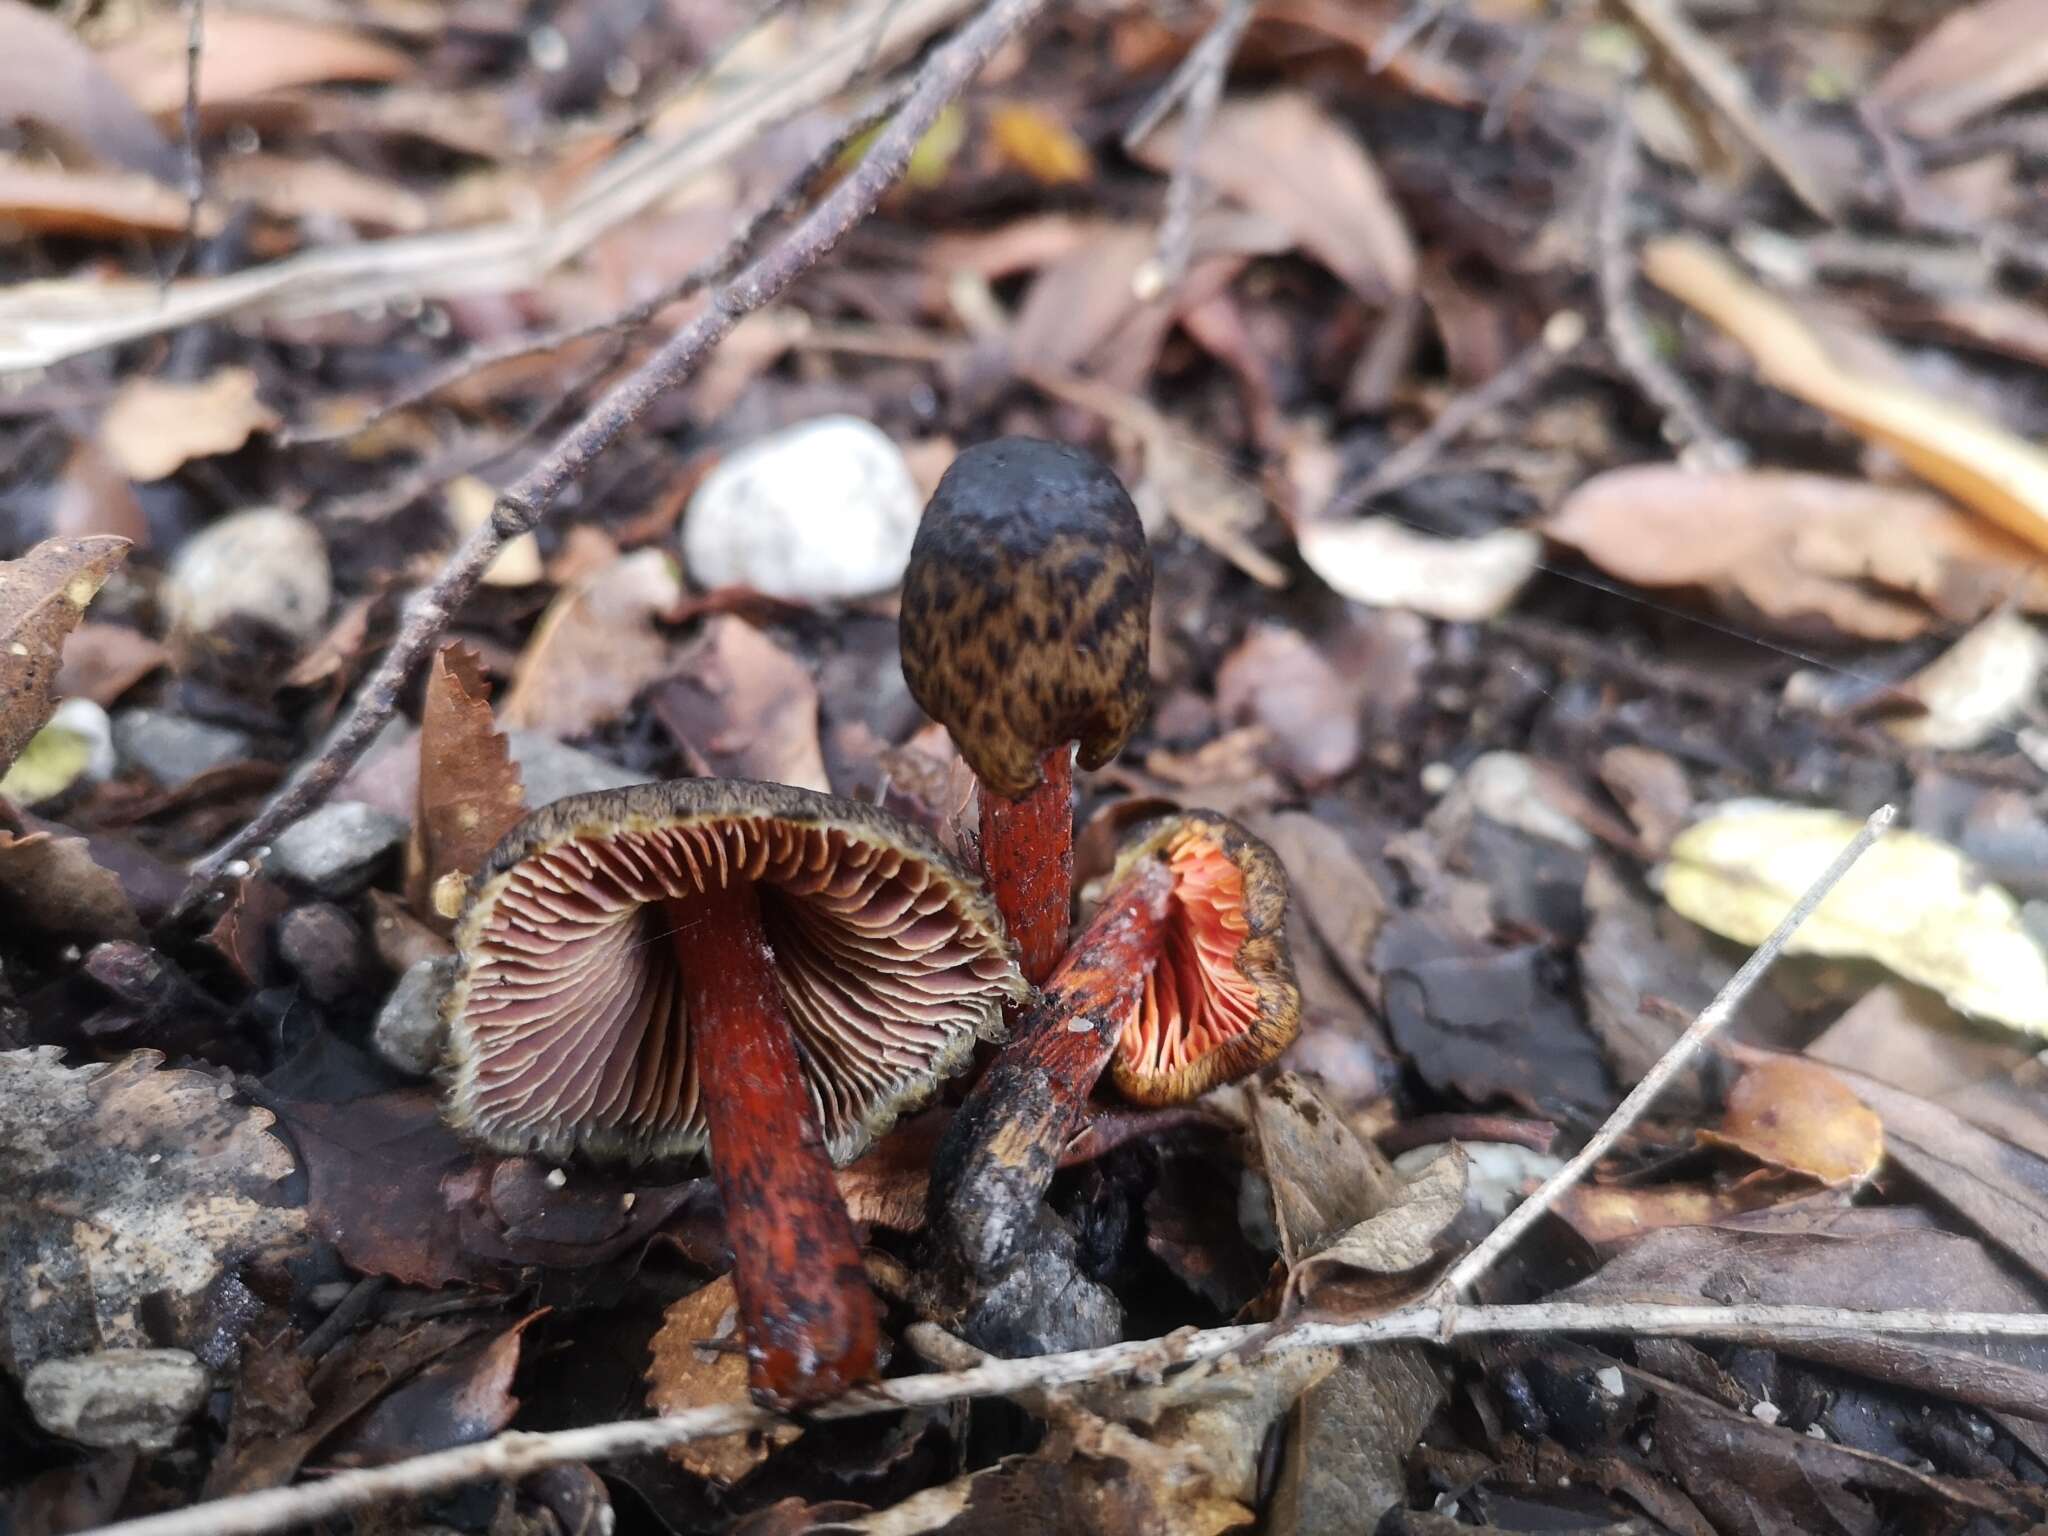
1610	1216
1284	156
53	886
156	426
463	1397
42	597
469	791
700	1362
1804	555
1912	903
99	205
1388	564
595	648
1980	463
127	1183
743	707
1279	679
1799	1116
103	661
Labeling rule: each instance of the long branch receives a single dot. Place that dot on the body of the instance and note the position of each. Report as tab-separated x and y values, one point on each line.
516	1455
522	505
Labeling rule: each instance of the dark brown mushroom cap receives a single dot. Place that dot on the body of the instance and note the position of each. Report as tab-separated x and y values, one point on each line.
566	1023
1221	1000
1027	609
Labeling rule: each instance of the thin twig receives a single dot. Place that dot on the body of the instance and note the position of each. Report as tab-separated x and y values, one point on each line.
513	1456
524	503
1475	1264
1200	79
1627	336
1524	372
195	171
1418	19
715	268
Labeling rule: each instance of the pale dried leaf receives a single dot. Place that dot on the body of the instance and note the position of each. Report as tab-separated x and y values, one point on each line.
1974	687
95	205
686	1374
1979	462
246	54
745	707
42	597
1973	61
1379	561
1912	903
155	427
130	1185
1403	1237
1287	158
517	563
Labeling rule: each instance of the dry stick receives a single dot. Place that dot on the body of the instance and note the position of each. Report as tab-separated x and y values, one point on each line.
1627	337
522	505
195	177
1200	80
714	268
1482	1258
518	1454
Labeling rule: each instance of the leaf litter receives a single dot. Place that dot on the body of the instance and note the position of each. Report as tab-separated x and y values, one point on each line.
1545	732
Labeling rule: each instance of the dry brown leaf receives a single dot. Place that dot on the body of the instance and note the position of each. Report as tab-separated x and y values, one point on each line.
1285	157
685	1374
1606	1214
1978	462
743	707
49	77
154	427
50	200
595	648
1279	679
1799	1116
469	790
246	54
94	497
1039	143
130	1189
1805	555
1976	59
53	886
42	597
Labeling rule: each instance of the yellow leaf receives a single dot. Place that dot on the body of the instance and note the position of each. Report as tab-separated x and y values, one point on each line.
1913	904
1039	144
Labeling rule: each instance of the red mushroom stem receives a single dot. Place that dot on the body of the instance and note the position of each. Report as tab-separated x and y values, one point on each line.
812	1325
1003	1147
1027	852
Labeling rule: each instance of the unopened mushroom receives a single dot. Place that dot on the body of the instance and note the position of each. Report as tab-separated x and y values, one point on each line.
1179	982
1026	630
774	972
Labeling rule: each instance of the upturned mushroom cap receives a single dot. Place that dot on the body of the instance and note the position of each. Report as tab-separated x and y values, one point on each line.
1221	1000
566	1023
1027	609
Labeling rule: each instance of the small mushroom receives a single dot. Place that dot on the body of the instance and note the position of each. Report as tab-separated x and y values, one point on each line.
1180	981
1026	629
772	971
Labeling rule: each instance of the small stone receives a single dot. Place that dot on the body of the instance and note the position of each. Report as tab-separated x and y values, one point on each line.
1765	1412
1043	1304
267	565
550	770
822	510
410	1032
117	1398
335	850
324	949
171	748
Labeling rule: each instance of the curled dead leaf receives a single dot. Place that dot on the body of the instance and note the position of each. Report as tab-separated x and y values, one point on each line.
42	597
595	648
470	791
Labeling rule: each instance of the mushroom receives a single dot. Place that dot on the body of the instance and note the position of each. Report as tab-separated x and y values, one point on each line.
1179	982
1026	629
774	972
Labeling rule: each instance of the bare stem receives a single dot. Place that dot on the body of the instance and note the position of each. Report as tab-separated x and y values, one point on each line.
524	503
